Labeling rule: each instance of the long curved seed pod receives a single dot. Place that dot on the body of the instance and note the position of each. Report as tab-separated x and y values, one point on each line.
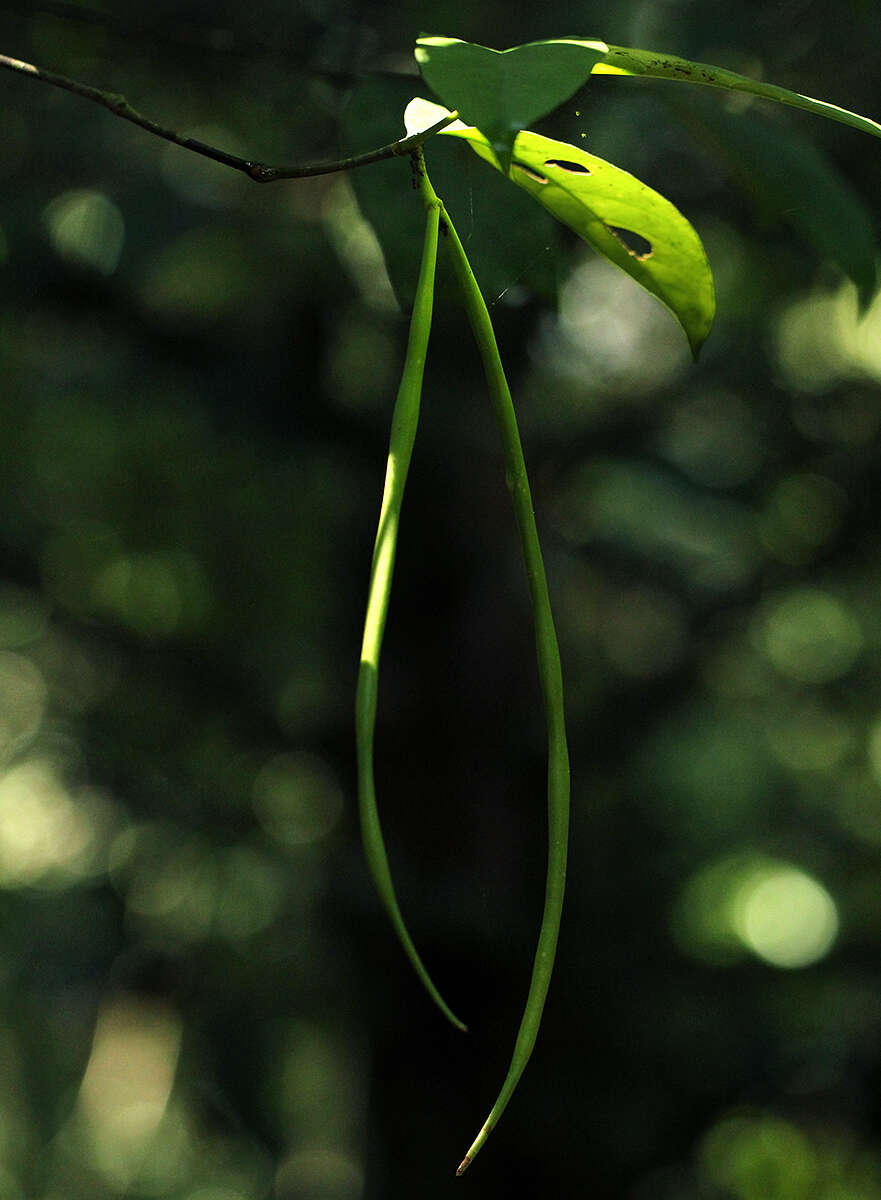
405	419
550	677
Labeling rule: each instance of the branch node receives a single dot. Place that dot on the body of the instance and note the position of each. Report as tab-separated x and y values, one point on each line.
260	173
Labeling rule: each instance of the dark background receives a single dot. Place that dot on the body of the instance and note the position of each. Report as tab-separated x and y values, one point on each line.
200	997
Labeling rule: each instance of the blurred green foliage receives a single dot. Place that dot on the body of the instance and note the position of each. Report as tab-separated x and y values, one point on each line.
199	997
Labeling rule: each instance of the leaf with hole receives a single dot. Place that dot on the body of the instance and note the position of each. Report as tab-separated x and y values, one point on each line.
622	218
500	92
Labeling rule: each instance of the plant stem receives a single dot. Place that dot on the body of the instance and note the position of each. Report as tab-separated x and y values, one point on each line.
550	678
257	171
403	433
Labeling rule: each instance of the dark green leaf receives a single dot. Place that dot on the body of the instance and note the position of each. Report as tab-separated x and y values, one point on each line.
510	240
790	180
503	91
384	192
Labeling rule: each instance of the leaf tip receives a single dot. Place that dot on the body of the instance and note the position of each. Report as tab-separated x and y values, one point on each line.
463	1166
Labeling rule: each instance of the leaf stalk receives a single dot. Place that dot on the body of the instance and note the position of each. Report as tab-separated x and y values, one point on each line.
405	420
550	680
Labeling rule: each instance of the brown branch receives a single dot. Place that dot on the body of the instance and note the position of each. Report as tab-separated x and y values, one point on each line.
258	171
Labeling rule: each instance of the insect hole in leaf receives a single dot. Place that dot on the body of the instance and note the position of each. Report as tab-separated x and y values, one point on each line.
633	243
536	175
575	168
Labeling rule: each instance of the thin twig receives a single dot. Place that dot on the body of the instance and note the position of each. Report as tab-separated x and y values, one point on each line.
258	171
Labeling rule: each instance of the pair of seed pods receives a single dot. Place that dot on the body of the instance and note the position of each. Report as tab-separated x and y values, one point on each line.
405	419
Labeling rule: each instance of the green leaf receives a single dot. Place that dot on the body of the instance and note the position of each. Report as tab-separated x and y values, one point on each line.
790	180
510	240
384	194
623	219
502	91
623	60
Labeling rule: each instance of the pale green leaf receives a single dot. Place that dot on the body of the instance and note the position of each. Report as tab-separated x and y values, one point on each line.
503	91
623	60
623	219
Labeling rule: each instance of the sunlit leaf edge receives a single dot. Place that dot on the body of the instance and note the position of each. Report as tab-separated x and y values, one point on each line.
624	60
